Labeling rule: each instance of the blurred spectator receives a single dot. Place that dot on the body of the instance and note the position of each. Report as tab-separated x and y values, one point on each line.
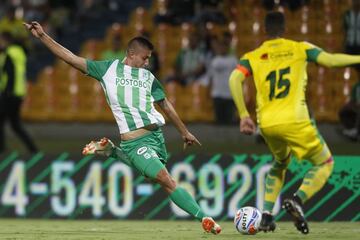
164	15
293	5
60	18
117	10
175	12
209	11
349	114
209	46
12	89
352	28
37	10
205	35
189	65
91	18
88	9
13	24
219	72
228	40
115	51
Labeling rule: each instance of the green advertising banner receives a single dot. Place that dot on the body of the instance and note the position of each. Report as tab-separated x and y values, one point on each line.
70	187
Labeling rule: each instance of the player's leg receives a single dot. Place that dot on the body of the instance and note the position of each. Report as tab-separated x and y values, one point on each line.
105	147
16	124
155	170
148	155
274	182
318	153
276	176
185	201
308	144
3	113
313	181
179	195
273	185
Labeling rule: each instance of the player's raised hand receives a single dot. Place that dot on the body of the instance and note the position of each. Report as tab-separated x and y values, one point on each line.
35	28
247	126
189	140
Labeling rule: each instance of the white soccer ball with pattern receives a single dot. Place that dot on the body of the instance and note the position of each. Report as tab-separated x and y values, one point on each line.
247	220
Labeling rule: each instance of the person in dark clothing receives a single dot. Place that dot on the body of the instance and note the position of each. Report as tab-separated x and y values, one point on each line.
349	114
351	28
12	90
176	12
293	5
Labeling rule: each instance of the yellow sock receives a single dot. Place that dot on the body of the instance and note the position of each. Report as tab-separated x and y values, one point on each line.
273	184
314	180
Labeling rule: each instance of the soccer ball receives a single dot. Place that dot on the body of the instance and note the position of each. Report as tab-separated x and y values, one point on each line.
247	220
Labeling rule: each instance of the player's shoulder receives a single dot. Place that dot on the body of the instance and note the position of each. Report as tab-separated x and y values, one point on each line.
293	43
105	62
256	54
249	55
147	73
307	44
301	45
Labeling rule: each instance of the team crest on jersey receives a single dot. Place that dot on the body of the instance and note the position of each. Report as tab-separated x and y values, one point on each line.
264	56
145	74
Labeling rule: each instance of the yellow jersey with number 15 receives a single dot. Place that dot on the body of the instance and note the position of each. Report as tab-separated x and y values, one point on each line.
278	67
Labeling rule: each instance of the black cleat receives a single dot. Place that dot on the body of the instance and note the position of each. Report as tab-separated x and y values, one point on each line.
295	210
267	223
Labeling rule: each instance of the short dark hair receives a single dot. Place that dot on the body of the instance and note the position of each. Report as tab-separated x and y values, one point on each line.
274	24
139	41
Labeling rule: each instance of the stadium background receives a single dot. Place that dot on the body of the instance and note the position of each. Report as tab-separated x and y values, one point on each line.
65	109
63	94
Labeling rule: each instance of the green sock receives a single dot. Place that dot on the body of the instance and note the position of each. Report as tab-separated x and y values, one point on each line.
187	203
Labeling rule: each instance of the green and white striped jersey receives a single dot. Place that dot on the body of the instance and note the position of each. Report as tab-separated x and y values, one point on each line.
130	93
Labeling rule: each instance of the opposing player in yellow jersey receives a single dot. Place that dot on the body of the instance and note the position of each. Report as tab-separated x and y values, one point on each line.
278	68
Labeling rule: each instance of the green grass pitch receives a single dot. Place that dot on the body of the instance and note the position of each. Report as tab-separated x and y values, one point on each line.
173	230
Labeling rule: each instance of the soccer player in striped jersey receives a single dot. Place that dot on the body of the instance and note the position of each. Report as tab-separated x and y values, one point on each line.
131	92
278	68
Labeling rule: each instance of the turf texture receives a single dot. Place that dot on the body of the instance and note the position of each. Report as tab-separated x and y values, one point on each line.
173	230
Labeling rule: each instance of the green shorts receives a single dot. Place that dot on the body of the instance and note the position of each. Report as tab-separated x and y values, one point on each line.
147	153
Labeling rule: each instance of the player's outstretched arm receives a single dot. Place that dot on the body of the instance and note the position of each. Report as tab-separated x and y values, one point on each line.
247	126
170	112
337	59
61	52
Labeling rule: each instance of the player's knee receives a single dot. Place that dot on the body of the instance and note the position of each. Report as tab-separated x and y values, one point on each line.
279	166
165	180
325	169
172	183
329	165
281	163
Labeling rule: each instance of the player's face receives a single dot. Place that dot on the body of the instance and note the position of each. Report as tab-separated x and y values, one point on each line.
141	58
